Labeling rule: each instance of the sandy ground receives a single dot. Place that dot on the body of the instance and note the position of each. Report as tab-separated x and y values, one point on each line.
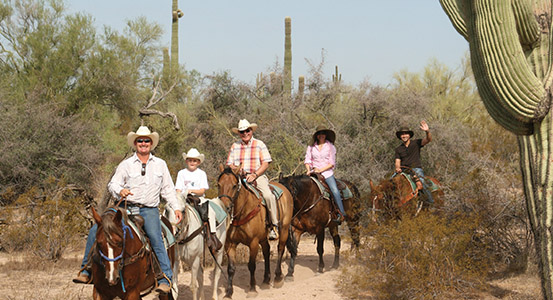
22	279
53	281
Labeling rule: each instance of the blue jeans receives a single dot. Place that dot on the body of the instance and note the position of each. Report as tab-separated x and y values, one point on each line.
152	227
331	182
425	189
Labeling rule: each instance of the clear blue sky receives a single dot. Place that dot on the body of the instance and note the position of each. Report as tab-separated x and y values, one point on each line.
367	39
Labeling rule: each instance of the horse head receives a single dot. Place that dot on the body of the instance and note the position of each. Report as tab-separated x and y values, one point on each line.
229	184
384	198
111	241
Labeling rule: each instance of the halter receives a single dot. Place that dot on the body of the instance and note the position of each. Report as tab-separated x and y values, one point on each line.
232	199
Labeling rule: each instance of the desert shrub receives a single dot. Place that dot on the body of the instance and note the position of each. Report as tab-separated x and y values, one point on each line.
45	221
427	257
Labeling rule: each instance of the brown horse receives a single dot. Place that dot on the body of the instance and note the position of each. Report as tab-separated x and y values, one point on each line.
392	198
121	262
312	213
249	226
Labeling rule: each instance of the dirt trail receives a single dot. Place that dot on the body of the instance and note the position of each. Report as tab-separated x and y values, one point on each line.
53	281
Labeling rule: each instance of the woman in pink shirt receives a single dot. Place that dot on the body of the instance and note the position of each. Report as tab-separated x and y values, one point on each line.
320	157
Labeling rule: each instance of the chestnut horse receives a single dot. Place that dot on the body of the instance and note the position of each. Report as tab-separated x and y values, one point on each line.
393	197
249	226
312	214
121	262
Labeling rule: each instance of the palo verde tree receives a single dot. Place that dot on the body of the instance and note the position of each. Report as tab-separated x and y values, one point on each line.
510	49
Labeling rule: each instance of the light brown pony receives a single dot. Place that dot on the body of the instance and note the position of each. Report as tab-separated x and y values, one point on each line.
312	214
249	226
121	263
392	198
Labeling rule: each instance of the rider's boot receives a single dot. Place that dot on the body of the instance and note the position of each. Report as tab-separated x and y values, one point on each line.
213	242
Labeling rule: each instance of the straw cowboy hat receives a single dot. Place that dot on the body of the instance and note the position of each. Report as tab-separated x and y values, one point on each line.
330	135
243	125
194	153
143	131
402	130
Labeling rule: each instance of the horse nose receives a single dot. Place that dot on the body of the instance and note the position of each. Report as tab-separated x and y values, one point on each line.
114	281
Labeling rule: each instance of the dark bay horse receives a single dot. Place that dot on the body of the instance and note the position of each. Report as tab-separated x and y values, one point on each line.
121	262
312	213
392	198
249	226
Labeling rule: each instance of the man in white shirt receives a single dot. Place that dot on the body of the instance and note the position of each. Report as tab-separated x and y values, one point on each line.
141	179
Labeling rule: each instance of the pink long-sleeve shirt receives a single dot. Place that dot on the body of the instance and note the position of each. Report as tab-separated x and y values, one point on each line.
321	158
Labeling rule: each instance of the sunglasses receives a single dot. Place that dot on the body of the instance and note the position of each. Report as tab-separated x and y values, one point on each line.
245	131
143	141
143	171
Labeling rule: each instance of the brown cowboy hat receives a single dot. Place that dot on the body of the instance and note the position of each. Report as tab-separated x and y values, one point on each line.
402	130
330	135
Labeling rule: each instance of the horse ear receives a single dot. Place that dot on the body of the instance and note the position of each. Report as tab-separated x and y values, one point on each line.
118	216
371	184
95	215
280	176
221	168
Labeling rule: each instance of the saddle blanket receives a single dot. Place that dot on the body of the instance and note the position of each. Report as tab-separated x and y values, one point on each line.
345	193
277	191
220	213
429	183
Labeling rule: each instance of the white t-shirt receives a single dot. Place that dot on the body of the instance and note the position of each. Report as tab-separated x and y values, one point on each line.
187	180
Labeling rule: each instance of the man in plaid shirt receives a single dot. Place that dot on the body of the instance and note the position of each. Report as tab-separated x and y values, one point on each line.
255	158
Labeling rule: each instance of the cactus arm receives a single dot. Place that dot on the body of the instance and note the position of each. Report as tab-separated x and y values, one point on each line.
453	10
505	75
527	26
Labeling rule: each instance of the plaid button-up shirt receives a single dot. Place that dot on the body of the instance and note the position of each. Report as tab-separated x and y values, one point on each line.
250	155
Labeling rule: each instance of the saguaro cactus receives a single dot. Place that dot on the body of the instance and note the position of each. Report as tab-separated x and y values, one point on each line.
511	57
175	15
288	56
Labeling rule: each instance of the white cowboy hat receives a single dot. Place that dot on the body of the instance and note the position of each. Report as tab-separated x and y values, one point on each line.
194	153
143	131
243	125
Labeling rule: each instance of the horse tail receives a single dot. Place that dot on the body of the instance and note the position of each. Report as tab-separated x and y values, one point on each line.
291	243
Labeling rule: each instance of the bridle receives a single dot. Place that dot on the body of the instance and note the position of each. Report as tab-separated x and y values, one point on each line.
236	187
125	261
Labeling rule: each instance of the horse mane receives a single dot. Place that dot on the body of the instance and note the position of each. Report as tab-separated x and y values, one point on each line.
294	183
109	226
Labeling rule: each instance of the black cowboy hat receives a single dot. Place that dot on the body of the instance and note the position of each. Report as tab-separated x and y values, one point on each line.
330	135
402	130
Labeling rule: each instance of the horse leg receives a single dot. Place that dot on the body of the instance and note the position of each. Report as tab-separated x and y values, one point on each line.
197	278
320	249
281	247
337	243
217	273
266	250
292	244
254	247
231	268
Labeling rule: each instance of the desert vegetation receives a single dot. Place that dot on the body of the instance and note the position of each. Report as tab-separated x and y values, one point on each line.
63	128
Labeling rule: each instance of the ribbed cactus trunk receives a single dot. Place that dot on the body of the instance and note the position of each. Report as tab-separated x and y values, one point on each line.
511	54
176	13
288	56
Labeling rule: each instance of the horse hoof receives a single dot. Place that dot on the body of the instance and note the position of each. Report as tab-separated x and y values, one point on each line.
251	294
265	286
278	283
289	278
